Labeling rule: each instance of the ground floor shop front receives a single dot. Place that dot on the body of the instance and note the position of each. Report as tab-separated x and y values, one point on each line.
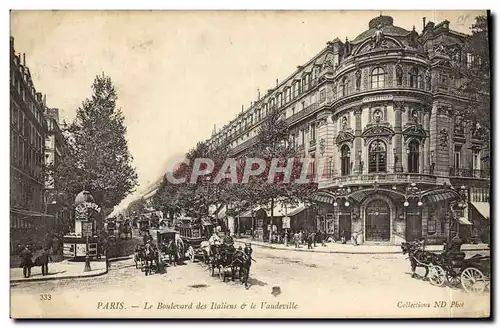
387	216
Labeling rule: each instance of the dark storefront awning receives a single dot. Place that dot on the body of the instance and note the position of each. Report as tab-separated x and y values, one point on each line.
483	208
29	213
438	195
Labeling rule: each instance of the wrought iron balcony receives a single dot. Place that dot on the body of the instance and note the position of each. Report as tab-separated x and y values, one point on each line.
469	173
378	178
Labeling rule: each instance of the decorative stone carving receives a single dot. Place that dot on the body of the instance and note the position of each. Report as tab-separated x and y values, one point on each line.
344	123
378	37
347	48
399	73
443	138
322	146
358	79
413	41
344	136
377	115
414	131
428	78
377	131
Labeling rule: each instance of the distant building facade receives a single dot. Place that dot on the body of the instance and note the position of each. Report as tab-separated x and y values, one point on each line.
381	115
54	148
28	218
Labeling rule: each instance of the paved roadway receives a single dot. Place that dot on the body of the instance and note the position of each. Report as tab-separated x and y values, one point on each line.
325	285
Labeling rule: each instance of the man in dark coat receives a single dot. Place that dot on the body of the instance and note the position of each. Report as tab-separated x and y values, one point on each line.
26	261
44	260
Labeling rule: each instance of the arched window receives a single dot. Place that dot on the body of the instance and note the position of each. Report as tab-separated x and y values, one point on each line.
377	157
420	81
413	155
378	78
345	160
412	77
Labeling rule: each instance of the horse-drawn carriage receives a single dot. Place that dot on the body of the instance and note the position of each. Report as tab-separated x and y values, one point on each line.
451	266
195	234
110	228
166	246
143	226
125	230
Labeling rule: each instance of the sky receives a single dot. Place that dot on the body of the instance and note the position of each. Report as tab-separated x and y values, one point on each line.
180	73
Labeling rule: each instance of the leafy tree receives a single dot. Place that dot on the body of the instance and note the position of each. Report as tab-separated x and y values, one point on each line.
476	75
97	157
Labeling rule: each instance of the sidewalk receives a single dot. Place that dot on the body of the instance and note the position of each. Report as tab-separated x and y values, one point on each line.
60	270
351	249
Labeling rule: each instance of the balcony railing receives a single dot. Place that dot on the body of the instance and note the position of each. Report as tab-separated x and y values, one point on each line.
306	111
469	173
372	178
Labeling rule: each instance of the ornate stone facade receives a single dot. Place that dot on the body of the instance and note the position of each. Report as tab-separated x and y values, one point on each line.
390	123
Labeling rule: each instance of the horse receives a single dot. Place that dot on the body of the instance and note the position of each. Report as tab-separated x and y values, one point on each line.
242	261
150	256
138	255
418	257
171	250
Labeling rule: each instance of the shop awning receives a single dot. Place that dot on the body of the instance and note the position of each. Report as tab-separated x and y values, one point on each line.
437	195
323	197
464	221
483	208
279	210
29	213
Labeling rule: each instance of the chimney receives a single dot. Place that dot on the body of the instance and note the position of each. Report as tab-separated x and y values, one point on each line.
258	91
24	59
45	100
423	20
242	108
277	82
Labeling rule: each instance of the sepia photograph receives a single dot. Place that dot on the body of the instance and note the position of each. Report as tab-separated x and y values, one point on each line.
250	164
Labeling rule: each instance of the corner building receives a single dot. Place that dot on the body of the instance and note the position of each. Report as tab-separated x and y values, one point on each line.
383	113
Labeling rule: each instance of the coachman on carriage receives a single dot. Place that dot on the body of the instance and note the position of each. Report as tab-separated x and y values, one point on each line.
195	234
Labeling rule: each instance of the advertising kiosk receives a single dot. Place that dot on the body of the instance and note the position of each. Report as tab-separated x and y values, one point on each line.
85	233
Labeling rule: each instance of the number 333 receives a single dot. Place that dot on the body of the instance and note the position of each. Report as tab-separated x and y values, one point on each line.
45	297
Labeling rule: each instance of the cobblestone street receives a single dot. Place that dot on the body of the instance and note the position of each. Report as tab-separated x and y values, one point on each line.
378	285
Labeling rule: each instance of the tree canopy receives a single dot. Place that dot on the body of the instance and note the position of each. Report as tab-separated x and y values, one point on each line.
97	157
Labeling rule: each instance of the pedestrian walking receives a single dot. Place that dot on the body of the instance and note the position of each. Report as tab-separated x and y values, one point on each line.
314	239
44	260
355	239
342	237
296	240
26	261
309	241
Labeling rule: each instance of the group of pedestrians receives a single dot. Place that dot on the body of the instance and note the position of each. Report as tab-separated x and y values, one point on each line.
41	260
304	237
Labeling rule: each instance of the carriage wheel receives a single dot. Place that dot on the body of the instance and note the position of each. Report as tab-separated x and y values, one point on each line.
221	273
473	280
437	275
191	253
453	279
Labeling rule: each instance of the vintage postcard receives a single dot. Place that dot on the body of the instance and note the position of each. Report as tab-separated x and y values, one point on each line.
250	164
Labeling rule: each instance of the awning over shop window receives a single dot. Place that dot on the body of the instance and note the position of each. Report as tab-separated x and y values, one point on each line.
464	221
438	195
323	197
279	210
28	213
483	208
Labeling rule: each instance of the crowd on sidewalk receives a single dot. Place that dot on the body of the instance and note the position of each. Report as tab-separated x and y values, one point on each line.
311	239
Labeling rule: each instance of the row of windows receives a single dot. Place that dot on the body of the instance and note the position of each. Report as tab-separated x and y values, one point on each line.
288	94
27	94
26	195
25	156
378	81
377	158
21	123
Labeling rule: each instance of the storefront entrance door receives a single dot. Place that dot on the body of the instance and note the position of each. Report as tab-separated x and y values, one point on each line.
413	224
377	221
345	225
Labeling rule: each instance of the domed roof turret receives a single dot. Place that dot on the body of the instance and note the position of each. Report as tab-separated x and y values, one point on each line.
83	197
386	25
